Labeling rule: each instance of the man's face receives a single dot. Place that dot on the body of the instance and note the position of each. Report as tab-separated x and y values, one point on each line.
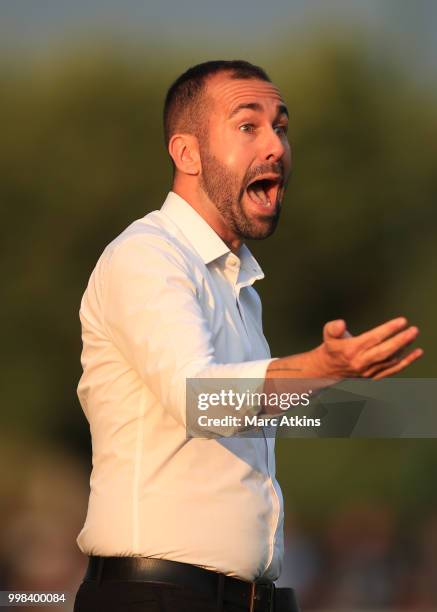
245	154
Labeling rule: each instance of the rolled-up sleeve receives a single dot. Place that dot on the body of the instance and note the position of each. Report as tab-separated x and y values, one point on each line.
153	316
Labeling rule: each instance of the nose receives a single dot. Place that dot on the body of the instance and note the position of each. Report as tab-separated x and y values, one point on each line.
275	146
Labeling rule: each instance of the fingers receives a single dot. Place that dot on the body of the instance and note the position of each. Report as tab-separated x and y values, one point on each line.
387	349
378	367
382	332
401	365
334	329
375	353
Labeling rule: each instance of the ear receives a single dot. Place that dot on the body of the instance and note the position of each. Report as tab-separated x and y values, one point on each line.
184	150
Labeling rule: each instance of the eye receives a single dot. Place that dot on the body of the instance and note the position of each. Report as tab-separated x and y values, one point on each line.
247	127
281	129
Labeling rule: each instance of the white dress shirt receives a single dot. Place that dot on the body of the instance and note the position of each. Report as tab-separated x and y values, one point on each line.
167	301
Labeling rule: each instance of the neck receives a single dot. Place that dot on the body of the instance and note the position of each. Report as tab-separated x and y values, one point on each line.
198	200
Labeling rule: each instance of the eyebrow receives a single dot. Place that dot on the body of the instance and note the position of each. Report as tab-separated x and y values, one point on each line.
255	106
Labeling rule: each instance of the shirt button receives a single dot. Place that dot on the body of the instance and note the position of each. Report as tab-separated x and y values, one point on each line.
233	262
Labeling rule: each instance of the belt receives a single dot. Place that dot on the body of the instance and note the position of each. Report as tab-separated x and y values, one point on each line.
258	596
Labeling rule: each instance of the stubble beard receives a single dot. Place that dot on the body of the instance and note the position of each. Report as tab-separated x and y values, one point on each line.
226	192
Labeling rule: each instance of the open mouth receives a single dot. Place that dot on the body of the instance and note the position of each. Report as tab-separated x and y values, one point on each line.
264	191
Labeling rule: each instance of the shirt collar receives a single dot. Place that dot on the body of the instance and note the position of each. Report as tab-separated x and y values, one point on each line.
250	265
203	238
206	242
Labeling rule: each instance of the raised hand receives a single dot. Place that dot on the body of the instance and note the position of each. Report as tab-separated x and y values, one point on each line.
376	353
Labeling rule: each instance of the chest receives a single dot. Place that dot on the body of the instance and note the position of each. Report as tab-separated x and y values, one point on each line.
232	308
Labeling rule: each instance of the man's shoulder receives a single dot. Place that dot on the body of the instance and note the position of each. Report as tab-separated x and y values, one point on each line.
152	235
150	230
149	249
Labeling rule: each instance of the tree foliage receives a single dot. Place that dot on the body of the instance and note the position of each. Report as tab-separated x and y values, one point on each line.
82	155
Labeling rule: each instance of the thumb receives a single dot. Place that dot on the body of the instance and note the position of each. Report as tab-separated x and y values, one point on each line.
334	329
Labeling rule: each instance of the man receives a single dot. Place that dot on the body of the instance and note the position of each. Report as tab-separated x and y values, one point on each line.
177	523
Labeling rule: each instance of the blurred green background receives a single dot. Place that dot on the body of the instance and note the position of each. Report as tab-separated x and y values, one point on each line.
82	155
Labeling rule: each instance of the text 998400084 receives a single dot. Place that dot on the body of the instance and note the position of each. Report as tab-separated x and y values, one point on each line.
32	598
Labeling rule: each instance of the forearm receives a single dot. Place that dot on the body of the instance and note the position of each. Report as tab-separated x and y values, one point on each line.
376	354
300	373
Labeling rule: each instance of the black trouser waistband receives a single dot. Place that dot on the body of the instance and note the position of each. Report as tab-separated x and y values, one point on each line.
258	596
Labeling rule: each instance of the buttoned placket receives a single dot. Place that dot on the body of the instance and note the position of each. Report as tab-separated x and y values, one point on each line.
249	277
242	274
233	263
233	269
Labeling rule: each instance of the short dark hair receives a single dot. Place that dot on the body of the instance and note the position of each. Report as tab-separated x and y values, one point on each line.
183	102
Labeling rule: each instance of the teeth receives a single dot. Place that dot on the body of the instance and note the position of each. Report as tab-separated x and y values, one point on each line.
260	196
